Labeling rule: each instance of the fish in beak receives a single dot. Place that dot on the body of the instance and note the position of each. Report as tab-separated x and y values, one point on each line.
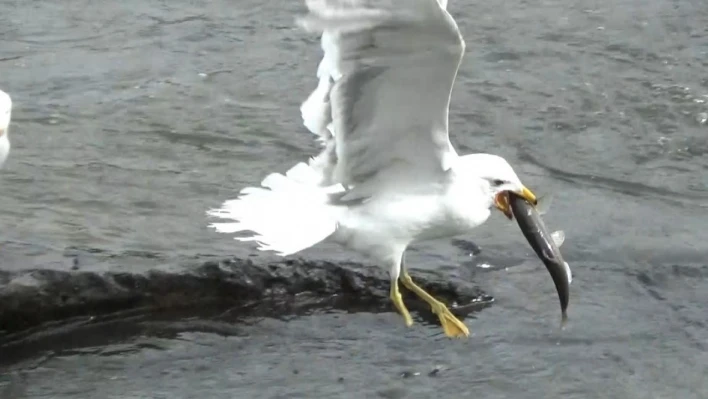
501	200
545	246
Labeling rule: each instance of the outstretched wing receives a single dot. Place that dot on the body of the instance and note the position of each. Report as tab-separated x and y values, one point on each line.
381	105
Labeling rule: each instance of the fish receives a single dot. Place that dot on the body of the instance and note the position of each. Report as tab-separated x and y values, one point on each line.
546	245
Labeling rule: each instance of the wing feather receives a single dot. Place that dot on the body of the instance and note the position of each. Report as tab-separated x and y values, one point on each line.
381	104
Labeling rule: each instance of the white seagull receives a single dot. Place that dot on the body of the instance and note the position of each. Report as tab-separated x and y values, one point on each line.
5	113
387	176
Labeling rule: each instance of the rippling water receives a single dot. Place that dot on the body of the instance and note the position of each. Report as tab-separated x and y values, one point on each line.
133	118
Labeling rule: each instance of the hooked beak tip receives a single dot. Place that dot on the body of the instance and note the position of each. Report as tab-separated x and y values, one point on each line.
528	195
501	200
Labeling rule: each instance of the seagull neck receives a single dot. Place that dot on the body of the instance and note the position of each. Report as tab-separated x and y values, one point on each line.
468	199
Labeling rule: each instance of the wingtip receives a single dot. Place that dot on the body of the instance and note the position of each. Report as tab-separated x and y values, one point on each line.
5	111
309	21
301	22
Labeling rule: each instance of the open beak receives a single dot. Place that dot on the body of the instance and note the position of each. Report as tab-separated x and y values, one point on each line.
501	201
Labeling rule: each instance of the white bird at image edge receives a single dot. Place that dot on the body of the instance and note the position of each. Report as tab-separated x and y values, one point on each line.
387	176
5	114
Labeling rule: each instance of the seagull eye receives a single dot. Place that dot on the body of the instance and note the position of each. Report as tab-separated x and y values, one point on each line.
497	182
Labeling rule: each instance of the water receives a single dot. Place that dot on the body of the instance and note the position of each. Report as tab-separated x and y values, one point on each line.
131	120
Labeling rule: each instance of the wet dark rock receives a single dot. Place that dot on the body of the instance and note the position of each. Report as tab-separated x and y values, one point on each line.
31	299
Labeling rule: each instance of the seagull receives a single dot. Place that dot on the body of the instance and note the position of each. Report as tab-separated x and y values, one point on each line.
387	175
5	112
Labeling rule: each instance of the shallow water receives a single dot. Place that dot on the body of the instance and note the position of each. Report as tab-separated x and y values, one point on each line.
131	120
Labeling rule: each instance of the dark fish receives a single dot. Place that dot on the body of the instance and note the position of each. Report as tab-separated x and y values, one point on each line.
540	239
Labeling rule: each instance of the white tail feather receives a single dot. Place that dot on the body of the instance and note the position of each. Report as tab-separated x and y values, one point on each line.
290	214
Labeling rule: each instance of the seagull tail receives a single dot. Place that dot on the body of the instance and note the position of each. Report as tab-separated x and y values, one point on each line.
288	214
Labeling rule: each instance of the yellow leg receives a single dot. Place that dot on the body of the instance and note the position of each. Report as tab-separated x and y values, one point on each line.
398	302
452	326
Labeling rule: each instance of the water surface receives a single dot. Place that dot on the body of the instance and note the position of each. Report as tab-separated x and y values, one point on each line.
131	119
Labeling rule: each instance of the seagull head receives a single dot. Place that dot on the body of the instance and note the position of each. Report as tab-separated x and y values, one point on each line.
5	110
498	180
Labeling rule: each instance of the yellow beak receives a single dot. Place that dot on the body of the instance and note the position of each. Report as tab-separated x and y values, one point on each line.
501	200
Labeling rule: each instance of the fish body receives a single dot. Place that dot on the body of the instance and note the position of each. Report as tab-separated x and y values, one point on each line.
545	246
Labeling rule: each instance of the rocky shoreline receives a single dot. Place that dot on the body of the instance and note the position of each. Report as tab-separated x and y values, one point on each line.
32	301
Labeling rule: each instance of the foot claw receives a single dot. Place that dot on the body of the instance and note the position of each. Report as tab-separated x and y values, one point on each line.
452	326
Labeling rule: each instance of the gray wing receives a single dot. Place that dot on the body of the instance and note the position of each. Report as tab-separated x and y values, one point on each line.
381	106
